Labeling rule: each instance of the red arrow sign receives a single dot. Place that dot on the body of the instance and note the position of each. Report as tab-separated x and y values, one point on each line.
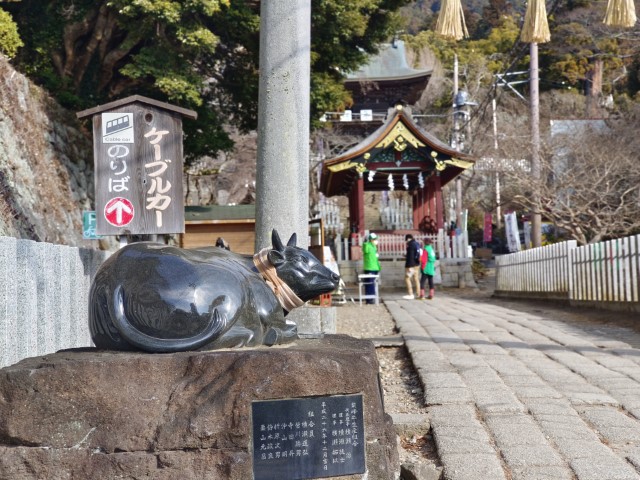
119	212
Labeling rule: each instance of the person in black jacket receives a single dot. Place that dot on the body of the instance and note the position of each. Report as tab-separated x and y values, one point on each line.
412	266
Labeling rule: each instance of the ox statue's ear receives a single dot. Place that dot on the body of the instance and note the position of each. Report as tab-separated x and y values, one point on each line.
293	240
275	240
275	257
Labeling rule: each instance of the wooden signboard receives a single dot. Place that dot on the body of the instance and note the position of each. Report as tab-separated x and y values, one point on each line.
137	150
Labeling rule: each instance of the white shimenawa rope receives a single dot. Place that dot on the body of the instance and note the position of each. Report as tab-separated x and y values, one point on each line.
287	297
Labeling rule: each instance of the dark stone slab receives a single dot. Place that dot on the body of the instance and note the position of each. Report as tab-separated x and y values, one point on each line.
184	415
308	437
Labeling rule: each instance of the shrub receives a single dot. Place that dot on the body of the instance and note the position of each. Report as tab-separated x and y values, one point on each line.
10	40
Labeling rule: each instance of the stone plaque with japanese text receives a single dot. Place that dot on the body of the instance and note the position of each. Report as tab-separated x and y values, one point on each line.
304	438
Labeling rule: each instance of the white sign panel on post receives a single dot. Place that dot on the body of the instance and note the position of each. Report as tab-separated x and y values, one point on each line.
117	128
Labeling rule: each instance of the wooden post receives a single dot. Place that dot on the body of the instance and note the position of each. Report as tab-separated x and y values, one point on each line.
417	203
439	202
356	206
456	133
593	88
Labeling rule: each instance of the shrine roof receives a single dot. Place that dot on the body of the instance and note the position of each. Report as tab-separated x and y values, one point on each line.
399	148
389	64
138	99
219	213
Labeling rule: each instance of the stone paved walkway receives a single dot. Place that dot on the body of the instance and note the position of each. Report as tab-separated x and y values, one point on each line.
514	396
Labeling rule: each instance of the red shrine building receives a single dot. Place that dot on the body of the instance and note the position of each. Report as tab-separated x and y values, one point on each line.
395	154
398	155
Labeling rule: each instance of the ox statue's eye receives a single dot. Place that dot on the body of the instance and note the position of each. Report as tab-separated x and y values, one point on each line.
300	260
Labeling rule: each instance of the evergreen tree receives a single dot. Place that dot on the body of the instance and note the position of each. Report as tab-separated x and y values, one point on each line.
200	54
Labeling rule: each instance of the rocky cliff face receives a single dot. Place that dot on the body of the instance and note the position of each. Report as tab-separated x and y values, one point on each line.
227	179
46	165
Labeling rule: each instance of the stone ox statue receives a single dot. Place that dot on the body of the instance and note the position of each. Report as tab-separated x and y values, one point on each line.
157	298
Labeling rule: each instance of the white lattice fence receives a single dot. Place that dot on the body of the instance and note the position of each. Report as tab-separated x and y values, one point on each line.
538	270
607	271
601	273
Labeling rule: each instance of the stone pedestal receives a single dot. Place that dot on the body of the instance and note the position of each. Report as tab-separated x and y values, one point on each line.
314	322
94	414
457	273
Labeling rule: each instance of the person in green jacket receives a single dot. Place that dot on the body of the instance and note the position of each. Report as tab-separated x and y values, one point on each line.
371	263
428	268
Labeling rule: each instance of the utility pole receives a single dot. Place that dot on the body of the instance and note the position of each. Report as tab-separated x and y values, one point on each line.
536	218
497	170
456	140
460	141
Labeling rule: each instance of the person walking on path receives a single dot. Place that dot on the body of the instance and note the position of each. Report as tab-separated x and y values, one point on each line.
371	264
411	266
428	268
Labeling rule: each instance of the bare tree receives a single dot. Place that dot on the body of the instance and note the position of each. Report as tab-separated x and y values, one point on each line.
590	182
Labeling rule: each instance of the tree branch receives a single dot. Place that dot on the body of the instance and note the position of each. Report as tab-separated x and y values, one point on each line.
72	34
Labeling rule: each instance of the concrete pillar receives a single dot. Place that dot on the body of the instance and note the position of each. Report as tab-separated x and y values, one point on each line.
534	93
282	173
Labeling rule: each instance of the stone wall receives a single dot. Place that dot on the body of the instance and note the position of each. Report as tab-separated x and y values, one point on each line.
43	297
392	275
457	272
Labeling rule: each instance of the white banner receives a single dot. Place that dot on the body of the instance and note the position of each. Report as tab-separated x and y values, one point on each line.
511	229
527	234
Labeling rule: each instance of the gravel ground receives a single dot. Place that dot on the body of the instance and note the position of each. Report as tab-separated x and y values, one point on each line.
403	393
402	388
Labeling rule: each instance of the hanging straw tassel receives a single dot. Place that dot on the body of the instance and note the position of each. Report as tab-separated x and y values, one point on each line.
451	20
535	28
620	13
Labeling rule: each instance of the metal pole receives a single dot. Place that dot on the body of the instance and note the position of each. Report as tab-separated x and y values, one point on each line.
456	137
536	219
282	170
495	147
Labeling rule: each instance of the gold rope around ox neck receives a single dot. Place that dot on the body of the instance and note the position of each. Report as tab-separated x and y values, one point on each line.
287	297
